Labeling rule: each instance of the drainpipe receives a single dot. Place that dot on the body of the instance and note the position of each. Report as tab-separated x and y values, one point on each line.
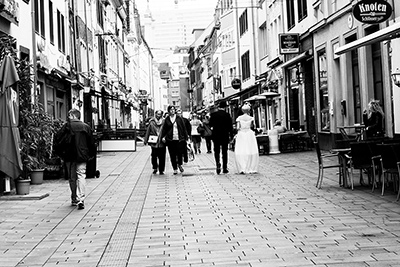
34	56
238	43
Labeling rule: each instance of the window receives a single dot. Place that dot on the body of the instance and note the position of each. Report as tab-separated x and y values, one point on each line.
39	17
243	24
51	22
323	91
102	55
263	40
60	31
246	66
290	13
100	13
302	9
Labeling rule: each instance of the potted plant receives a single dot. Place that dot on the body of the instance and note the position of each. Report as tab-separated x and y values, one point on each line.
36	131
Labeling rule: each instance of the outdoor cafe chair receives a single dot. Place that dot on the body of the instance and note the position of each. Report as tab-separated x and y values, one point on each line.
324	164
389	156
361	158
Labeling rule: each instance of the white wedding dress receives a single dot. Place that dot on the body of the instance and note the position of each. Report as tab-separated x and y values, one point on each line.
246	148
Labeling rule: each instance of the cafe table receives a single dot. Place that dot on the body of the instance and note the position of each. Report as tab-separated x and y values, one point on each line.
344	161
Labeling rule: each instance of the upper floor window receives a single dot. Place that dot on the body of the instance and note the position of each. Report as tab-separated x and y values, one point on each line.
243	23
246	66
100	13
302	9
263	40
290	13
51	22
61	31
39	17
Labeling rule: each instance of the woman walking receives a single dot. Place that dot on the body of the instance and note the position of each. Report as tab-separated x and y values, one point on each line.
196	137
174	135
246	149
152	138
207	132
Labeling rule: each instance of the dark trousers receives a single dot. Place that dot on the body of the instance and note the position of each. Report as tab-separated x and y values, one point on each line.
223	148
175	153
208	143
158	158
184	152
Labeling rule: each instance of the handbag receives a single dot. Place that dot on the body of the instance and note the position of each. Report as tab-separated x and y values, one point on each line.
152	139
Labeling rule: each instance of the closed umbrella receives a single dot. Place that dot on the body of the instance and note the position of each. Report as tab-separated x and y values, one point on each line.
10	159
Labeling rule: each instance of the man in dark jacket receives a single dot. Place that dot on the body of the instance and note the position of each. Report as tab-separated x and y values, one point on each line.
222	132
174	135
75	139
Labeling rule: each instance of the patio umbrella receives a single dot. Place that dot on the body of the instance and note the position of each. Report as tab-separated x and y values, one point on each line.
10	159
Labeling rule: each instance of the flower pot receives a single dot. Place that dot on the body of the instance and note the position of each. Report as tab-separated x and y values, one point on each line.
22	186
37	176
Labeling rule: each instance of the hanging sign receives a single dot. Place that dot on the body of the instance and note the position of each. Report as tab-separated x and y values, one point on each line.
289	43
236	83
372	11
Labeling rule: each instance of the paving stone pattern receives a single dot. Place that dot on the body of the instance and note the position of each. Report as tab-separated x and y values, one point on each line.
134	218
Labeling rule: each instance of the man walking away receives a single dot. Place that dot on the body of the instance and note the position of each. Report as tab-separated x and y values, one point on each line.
222	132
75	144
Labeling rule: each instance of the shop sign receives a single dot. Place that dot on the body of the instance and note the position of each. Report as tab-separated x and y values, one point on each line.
9	9
236	83
372	11
289	43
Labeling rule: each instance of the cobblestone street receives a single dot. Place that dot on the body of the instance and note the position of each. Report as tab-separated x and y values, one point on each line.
134	218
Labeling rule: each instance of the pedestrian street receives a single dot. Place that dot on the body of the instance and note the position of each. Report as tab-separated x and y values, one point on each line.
276	217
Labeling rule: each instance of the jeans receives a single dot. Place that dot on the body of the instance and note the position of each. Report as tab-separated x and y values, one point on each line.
76	174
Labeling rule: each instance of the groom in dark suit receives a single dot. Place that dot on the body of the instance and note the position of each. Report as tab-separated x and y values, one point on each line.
222	133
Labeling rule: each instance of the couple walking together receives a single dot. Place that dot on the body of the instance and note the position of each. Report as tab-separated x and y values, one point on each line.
246	148
171	133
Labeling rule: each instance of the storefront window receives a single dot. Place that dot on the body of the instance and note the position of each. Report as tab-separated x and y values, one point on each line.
323	92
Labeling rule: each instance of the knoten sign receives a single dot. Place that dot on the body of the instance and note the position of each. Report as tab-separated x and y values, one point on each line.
372	11
236	83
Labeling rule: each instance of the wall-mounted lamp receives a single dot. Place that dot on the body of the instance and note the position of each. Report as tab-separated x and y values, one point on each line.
396	77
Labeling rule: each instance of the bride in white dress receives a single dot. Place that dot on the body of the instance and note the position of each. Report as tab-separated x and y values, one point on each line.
246	148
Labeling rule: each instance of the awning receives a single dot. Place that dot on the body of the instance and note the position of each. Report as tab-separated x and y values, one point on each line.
295	60
270	94
262	96
254	97
390	32
238	94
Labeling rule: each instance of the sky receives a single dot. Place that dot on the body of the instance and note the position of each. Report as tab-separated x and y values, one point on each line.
166	13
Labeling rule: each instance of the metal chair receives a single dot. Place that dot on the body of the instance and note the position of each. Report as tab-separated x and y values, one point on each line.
389	156
322	165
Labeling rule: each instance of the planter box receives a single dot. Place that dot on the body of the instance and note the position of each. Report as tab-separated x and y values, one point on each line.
117	145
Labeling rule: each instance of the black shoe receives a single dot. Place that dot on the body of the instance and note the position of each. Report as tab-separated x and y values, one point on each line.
218	168
225	171
208	152
81	206
154	171
180	168
74	203
175	172
161	173
199	151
